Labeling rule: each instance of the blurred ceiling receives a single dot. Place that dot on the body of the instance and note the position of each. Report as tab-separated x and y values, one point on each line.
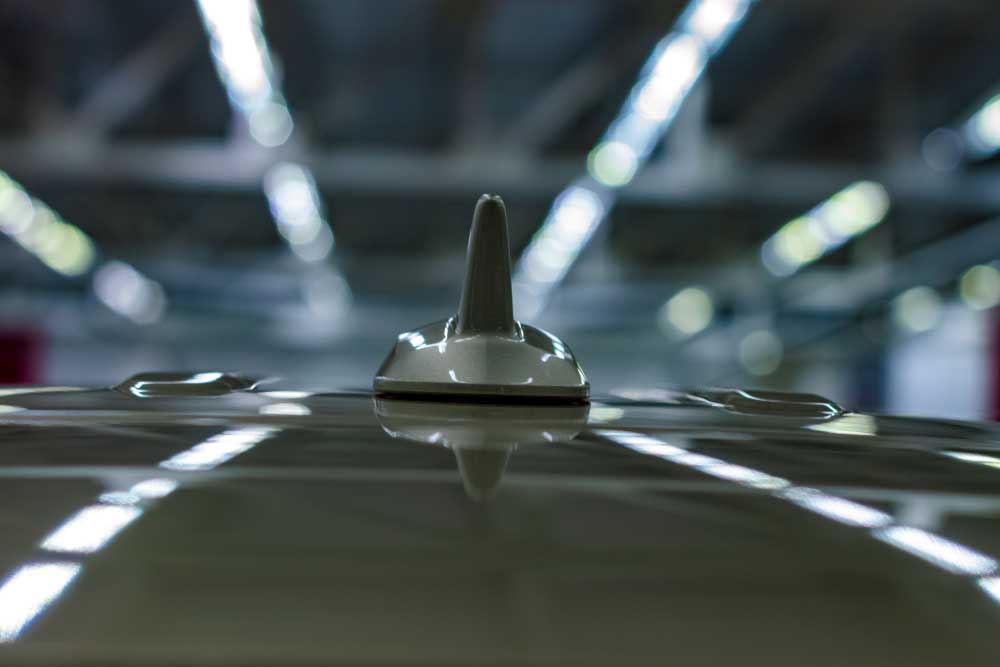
405	110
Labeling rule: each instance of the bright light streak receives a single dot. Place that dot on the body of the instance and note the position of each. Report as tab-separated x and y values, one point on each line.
982	131
244	63
218	449
119	498
936	550
91	528
240	51
711	19
673	71
62	247
760	352
847	425
839	509
129	293
991	585
707	465
666	79
916	310
686	313
972	457
284	394
298	211
573	219
980	287
643	444
289	409
28	591
271	125
157	487
600	414
613	163
847	214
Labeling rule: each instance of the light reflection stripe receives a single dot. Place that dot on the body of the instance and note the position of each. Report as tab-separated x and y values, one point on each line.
992	587
708	465
936	550
839	509
28	591
218	449
950	556
34	586
91	528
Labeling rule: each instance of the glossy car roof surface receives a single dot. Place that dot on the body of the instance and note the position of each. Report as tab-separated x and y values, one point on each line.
206	519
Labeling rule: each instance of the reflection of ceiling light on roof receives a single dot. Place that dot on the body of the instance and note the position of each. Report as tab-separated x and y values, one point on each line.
839	509
951	556
973	457
917	309
760	352
219	448
285	409
156	487
28	591
853	424
689	311
980	287
91	528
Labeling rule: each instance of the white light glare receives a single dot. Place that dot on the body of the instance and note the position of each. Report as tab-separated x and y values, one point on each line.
62	247
571	222
674	68
916	310
936	550
705	464
665	81
839	509
271	125
711	19
28	591
760	352
855	424
91	528
241	55
285	409
980	287
218	449
295	203
847	214
972	457
991	585
688	312
983	129
129	293
157	487
613	163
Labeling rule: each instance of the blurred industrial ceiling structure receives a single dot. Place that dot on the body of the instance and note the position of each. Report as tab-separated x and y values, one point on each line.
124	119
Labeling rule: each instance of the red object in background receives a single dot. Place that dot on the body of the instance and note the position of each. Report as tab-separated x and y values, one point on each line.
20	356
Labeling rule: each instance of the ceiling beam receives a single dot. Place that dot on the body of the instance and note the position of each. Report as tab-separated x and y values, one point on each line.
131	84
213	165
